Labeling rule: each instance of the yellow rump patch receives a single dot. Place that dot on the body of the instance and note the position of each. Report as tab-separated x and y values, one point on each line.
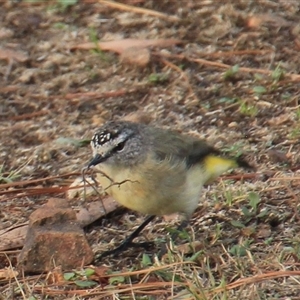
216	165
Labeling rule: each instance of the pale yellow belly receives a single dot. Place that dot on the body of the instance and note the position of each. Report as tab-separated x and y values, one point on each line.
157	190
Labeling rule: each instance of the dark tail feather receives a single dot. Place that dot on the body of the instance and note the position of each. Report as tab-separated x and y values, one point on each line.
244	164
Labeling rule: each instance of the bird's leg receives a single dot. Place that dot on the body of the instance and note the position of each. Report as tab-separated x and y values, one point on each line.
184	223
128	242
174	236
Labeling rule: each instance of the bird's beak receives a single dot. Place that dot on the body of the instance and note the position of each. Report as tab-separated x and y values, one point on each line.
97	159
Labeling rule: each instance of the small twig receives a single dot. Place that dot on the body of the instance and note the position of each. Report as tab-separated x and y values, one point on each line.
268	175
36	191
97	95
9	88
293	77
76	97
241	176
30	115
111	180
285	178
139	10
28	182
120	183
16	278
234	53
84	171
254	279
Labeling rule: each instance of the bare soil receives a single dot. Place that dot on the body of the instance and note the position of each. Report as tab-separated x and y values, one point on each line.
233	80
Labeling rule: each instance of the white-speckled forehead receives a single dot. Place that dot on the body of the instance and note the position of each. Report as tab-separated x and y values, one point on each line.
104	136
106	139
101	138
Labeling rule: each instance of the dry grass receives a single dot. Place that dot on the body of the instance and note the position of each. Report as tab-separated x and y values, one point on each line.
233	80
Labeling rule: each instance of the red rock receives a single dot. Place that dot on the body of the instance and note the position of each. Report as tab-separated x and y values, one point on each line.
54	238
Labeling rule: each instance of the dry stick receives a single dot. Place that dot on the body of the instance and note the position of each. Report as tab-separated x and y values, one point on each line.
255	279
84	171
30	115
9	252
148	286
152	269
293	77
37	191
235	53
97	95
15	277
244	176
87	95
139	10
138	288
9	88
27	182
285	178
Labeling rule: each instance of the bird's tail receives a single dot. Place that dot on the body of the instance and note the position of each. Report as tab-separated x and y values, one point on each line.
242	163
215	165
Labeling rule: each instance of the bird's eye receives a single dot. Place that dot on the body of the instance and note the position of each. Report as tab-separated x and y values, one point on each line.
120	146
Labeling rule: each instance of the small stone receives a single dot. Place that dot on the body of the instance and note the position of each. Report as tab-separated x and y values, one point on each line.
137	56
50	215
54	238
28	76
232	124
6	33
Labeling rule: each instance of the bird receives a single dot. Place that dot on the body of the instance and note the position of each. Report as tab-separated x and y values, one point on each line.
155	171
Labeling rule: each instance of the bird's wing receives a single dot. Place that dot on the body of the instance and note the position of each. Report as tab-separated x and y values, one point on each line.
179	147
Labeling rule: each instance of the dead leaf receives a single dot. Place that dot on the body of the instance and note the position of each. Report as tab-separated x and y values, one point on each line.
6	33
190	247
9	55
8	273
277	156
256	21
137	56
56	276
247	231
264	232
101	271
139	10
279	120
120	46
297	43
